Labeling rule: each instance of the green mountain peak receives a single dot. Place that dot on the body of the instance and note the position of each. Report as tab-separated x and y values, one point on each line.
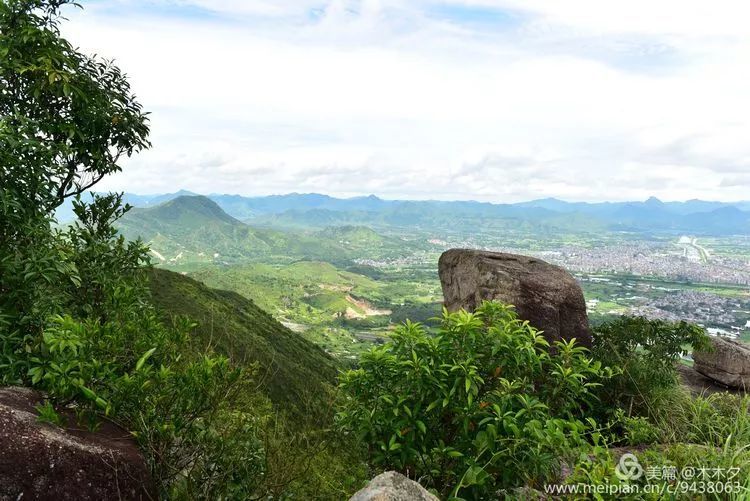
197	207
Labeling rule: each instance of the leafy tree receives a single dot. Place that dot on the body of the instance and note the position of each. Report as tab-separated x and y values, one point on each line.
75	319
646	352
479	406
66	119
194	415
107	265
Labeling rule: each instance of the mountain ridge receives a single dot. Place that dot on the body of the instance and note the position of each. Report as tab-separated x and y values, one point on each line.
280	203
296	374
317	211
195	229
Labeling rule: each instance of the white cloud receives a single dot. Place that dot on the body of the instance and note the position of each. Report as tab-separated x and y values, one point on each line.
595	99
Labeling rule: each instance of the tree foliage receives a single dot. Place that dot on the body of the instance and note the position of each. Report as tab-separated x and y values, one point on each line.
75	318
646	352
478	406
67	118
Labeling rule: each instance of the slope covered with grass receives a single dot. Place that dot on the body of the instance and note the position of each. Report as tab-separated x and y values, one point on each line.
191	228
194	229
286	290
295	373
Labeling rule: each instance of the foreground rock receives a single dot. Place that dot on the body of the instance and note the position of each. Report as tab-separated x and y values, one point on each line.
393	486
545	295
728	363
41	461
700	385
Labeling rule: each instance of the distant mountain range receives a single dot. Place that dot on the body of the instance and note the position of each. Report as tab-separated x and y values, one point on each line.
194	229
311	211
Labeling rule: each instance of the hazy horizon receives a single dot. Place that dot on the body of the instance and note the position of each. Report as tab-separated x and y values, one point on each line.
388	199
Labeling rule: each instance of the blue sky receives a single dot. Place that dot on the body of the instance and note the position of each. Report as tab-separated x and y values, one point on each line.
497	100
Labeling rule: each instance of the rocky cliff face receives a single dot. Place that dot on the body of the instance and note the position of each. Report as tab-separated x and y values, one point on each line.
42	461
545	295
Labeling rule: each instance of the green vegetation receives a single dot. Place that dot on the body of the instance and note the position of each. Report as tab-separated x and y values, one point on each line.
341	311
482	406
193	229
479	406
646	352
301	458
296	374
103	351
706	436
237	411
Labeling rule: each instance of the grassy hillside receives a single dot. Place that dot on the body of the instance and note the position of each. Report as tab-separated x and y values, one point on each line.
359	238
280	289
295	373
192	230
341	311
309	296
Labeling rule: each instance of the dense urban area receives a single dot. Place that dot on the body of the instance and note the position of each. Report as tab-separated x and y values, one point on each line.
680	278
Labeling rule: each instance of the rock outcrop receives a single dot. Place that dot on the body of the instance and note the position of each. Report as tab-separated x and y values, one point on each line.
700	385
545	295
42	461
393	486
728	363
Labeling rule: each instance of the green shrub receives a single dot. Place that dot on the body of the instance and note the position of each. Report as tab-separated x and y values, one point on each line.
310	464
48	414
480	405
646	352
702	433
599	469
103	350
196	418
638	430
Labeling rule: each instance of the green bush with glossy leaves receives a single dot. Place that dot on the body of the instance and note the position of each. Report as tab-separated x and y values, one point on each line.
482	404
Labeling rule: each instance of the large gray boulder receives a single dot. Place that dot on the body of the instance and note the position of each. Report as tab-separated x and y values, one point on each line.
393	486
728	363
544	294
43	461
700	385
